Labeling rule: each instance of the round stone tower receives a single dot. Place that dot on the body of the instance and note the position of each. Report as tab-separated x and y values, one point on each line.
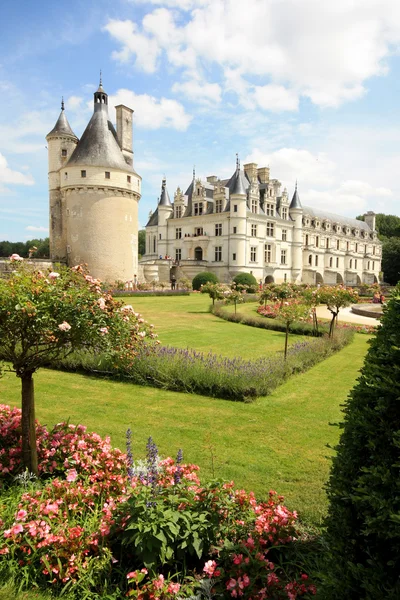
99	193
296	213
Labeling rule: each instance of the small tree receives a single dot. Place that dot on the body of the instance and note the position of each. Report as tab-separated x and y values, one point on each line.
290	312
335	298
203	278
214	290
44	317
233	296
363	523
312	297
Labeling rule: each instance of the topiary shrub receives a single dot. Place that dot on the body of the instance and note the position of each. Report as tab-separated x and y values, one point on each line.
203	278
247	279
363	523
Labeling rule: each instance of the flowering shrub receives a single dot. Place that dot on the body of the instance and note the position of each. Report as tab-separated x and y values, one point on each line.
271	311
68	531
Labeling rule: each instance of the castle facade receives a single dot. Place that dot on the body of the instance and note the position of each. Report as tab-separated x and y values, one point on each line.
246	224
94	193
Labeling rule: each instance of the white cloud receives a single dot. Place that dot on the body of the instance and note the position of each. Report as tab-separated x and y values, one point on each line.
152	113
320	50
74	103
38	228
205	93
10	176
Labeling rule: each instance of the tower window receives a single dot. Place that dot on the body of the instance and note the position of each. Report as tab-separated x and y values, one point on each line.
63	152
234	256
234	229
235	208
83	173
107	175
128	178
65	175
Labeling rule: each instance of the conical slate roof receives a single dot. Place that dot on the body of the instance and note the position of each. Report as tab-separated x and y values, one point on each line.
238	183
62	127
99	146
295	203
164	198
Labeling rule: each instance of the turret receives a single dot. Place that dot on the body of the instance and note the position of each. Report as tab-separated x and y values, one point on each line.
61	142
238	186
165	211
296	213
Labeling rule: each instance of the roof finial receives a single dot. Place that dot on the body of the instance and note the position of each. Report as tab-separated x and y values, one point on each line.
62	102
237	161
194	172
101	82
296	186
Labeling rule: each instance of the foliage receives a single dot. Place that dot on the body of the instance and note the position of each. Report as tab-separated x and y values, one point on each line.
291	312
90	534
391	260
23	248
247	281
335	298
45	316
387	225
141	242
214	290
363	525
202	279
234	295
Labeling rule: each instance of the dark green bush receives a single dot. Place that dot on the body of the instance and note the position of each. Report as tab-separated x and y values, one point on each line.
363	523
203	278
248	280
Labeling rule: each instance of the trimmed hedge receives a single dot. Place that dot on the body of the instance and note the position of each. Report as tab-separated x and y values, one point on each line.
203	278
247	279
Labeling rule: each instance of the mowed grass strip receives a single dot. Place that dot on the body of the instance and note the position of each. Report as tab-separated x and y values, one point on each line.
185	322
278	442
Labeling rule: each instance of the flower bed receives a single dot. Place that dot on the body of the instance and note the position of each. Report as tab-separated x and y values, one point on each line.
98	524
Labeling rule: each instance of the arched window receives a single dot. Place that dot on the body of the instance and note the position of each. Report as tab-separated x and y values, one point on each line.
330	261
310	259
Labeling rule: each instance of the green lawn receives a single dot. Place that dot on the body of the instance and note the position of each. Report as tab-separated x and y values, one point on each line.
277	442
185	322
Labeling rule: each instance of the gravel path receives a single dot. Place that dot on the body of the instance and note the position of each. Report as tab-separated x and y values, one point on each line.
347	316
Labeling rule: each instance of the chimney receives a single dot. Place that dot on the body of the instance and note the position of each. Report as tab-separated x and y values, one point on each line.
370	220
251	171
263	174
124	131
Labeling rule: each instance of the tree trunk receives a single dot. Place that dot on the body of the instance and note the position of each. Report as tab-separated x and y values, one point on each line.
332	325
29	452
286	339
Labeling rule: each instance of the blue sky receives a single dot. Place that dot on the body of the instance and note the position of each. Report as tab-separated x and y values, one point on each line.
309	87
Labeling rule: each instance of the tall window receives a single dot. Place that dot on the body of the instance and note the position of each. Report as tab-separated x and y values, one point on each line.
310	259
373	249
218	206
254	231
198	208
283	257
178	254
284	212
235	208
355	263
317	241
331	261
253	253
218	253
337	244
347	246
218	229
337	262
316	261
267	253
154	244
235	230
254	205
178	212
327	242
356	247
306	240
234	256
178	233
284	235
351	263
270	210
270	229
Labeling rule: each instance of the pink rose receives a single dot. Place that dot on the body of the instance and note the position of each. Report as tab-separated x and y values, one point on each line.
64	326
53	275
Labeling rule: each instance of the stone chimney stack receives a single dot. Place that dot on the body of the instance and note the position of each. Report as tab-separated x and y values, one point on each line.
124	131
370	220
251	171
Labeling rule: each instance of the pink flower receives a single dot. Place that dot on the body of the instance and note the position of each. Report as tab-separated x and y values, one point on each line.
15	258
21	514
159	582
17	529
131	575
173	588
72	475
103	330
102	303
237	559
53	275
231	584
209	567
64	326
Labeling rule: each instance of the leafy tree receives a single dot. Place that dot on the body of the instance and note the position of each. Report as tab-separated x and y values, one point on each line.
22	248
46	316
234	295
203	278
290	312
391	260
214	290
246	280
363	523
387	225
335	298
142	242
